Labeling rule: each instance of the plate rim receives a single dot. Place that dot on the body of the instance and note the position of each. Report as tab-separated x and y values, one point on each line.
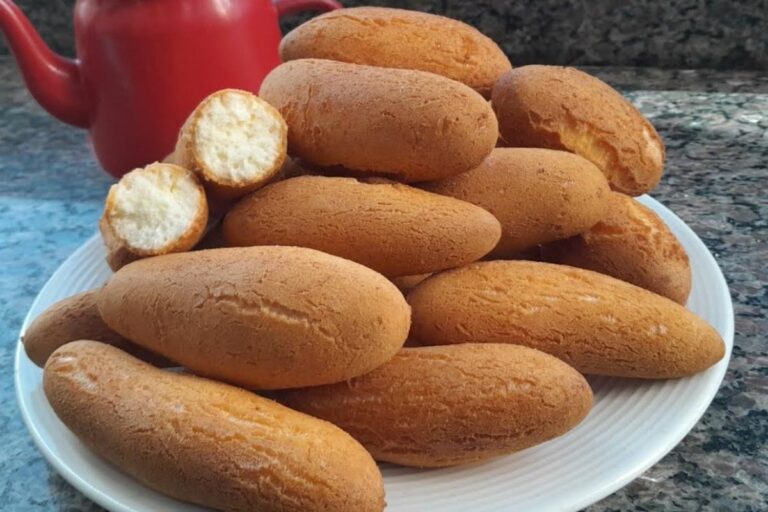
103	499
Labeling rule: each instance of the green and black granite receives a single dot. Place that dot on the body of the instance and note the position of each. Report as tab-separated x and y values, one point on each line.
715	126
719	34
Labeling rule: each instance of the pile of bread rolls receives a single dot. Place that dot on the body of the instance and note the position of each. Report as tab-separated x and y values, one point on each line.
272	250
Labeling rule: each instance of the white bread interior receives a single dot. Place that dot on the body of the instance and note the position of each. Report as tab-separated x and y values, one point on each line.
234	140
157	209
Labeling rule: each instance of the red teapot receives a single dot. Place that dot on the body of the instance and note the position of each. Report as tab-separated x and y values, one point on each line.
143	65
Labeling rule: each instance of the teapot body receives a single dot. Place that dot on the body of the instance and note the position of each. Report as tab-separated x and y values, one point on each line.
145	65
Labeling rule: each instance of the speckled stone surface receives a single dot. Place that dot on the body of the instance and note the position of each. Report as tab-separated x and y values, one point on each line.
716	130
672	34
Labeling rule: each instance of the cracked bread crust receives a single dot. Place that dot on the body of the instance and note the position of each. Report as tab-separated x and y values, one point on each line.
390	227
597	324
442	406
564	108
260	317
408	125
205	442
630	243
122	248
397	38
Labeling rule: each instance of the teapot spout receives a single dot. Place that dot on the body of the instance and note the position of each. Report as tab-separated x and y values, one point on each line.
53	80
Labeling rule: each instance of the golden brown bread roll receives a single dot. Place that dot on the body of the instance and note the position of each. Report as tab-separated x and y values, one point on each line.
397	38
630	243
593	322
204	442
234	141
76	318
564	108
441	406
260	317
538	195
409	125
389	227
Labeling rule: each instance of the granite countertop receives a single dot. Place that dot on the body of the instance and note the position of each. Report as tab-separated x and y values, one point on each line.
715	126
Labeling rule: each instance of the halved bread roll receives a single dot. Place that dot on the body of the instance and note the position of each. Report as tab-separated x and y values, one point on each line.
234	141
154	210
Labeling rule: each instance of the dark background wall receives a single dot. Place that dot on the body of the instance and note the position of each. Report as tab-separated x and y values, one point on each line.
718	34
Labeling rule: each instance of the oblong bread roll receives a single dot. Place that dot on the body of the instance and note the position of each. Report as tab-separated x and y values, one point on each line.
235	141
389	227
158	209
398	38
76	318
441	406
630	243
564	108
597	324
260	317
538	195
405	124
204	442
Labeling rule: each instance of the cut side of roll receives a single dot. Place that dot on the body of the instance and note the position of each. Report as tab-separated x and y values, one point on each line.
234	141
154	210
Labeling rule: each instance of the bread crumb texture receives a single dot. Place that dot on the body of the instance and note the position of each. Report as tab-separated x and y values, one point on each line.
153	208
238	138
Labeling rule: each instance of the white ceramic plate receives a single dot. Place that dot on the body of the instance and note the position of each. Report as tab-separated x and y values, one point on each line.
633	423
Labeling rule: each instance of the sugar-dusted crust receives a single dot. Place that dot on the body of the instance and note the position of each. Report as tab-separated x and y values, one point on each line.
596	323
441	406
408	125
564	108
633	244
397	38
205	442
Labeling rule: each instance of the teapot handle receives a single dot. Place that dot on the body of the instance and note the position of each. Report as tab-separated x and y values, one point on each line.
292	6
